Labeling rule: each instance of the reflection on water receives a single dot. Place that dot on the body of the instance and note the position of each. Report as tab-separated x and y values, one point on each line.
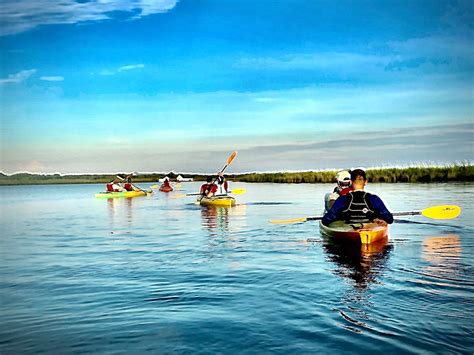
215	219
443	254
120	217
359	263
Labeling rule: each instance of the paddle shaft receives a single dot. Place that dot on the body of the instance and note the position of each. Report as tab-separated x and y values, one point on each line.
122	180
238	192
410	213
434	212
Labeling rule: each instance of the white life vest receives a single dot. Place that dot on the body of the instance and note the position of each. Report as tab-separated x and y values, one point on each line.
221	191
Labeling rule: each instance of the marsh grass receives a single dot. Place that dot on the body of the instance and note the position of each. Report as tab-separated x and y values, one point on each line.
424	174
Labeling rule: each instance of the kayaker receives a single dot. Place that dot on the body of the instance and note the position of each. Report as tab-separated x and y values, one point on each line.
343	187
221	186
208	188
166	182
114	186
358	206
128	184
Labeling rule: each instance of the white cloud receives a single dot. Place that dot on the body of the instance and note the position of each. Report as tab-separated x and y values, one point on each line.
18	77
52	78
131	67
19	16
106	72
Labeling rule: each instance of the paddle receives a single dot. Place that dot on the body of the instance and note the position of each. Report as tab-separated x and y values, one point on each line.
138	188
435	212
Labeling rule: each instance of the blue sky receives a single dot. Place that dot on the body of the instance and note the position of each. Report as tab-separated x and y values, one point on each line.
102	87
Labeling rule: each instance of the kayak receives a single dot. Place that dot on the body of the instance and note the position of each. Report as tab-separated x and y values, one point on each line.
166	188
366	233
127	194
223	201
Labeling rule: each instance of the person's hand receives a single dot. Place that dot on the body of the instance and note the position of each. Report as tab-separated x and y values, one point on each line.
380	222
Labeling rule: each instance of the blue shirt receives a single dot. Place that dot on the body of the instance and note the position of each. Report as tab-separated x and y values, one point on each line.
335	213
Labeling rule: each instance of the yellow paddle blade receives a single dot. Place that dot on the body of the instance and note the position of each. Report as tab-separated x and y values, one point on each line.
442	212
238	191
154	186
232	156
287	221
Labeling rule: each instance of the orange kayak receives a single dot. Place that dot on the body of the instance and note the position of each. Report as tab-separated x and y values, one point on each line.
166	188
366	233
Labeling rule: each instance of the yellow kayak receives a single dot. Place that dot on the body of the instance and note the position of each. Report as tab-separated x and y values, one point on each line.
126	194
223	201
366	233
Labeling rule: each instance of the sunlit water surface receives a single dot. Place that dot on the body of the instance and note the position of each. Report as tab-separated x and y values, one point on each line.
159	274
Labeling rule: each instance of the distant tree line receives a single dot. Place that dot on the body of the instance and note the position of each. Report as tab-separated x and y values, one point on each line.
448	173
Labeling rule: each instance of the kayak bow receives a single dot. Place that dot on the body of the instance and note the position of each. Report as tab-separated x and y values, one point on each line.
223	201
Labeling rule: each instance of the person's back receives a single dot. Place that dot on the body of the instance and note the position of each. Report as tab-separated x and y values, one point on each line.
207	188
359	209
113	186
358	206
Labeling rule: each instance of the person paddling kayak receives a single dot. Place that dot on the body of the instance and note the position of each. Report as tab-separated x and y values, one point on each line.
343	187
126	182
166	182
206	189
222	187
114	186
358	206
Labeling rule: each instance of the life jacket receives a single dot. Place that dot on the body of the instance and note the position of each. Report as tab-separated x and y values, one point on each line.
221	189
206	188
110	187
359	209
128	186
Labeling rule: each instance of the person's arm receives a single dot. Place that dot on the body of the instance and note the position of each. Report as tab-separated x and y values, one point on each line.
212	190
335	212
381	212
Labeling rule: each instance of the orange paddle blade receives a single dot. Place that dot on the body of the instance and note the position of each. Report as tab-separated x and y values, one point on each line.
232	156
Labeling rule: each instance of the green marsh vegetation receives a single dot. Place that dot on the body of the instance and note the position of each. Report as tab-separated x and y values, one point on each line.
420	174
455	172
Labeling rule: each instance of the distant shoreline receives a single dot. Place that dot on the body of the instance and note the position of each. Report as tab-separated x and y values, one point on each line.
450	173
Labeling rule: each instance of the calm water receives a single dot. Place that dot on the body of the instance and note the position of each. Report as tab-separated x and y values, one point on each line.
162	275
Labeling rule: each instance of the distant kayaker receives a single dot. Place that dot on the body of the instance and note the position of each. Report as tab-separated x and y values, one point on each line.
166	182
128	184
358	206
114	186
343	187
206	189
221	186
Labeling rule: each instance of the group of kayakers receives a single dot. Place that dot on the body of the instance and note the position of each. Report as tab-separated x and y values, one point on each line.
121	183
350	203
